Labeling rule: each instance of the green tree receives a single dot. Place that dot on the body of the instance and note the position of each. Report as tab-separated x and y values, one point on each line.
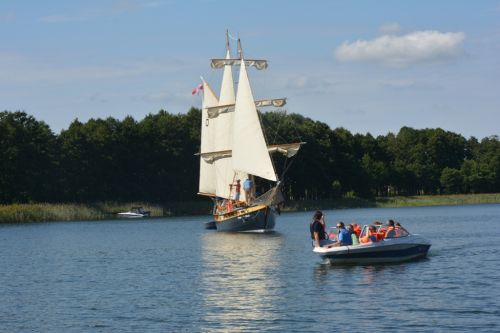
28	163
452	181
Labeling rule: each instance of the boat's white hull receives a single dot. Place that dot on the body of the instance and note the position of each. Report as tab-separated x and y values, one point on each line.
385	251
131	215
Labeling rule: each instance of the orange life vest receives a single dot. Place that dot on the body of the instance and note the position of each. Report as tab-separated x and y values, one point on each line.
365	239
357	229
368	237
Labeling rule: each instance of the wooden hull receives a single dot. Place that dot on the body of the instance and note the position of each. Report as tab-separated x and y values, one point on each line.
251	219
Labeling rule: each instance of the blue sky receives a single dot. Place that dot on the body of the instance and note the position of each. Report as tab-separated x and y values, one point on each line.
368	66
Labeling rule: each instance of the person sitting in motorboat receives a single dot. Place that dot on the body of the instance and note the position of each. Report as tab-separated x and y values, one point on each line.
354	236
368	235
317	228
332	235
344	237
379	230
390	230
357	229
400	231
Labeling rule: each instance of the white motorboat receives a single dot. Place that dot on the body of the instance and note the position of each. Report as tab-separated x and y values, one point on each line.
403	247
134	212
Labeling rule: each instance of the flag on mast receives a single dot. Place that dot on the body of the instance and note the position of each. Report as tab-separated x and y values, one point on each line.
197	89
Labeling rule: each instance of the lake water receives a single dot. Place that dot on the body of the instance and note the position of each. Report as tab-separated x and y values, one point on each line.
171	275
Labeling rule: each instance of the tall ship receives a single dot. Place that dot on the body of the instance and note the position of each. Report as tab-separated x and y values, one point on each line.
235	158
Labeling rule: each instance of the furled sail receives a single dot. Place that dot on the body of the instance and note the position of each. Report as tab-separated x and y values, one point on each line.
223	108
207	170
257	63
249	151
286	149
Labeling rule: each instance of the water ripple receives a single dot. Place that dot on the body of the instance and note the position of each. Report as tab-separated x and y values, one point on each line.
171	275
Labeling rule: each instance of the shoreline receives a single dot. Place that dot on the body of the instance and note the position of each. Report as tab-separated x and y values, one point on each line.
52	212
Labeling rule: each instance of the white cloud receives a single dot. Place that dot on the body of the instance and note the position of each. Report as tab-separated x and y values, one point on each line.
390	28
416	47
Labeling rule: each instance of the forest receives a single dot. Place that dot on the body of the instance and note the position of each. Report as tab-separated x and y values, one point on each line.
153	160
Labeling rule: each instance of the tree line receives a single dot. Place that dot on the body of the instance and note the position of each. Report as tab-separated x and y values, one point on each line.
154	160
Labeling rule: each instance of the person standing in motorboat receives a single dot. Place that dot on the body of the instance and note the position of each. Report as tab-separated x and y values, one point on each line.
317	228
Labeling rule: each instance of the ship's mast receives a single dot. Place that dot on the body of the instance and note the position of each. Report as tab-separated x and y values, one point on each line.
240	50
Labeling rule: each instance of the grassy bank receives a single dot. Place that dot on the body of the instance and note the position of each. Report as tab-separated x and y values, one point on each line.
399	201
439	200
41	212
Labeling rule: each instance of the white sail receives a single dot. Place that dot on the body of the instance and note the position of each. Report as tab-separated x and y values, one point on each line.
249	151
227	86
225	174
207	183
224	123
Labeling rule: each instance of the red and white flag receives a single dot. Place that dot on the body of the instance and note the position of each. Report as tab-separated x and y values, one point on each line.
197	89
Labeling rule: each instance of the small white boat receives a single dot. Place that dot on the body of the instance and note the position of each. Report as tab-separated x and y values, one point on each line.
388	250
134	212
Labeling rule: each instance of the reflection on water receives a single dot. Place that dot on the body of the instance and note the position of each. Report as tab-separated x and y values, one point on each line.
237	278
170	275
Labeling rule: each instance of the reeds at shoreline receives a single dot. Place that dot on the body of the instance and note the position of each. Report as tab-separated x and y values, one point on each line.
44	212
